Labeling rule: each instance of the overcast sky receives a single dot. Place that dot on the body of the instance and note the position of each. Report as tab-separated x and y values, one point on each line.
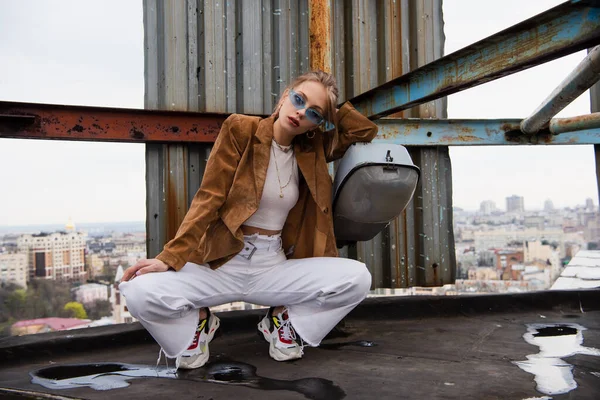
91	53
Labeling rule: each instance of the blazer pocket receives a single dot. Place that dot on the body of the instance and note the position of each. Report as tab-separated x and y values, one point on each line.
320	243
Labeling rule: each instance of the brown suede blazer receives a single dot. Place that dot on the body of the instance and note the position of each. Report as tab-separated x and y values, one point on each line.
232	187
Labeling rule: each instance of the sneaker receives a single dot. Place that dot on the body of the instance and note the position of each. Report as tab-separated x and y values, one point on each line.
278	331
197	354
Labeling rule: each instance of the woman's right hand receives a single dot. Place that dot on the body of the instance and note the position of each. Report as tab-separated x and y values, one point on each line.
144	266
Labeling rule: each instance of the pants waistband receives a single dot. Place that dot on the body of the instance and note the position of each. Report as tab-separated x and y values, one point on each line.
271	242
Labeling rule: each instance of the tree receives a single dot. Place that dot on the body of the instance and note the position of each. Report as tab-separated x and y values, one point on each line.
99	309
43	298
76	310
12	300
46	298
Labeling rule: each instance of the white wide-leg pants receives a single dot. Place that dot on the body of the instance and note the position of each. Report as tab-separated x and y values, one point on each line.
318	292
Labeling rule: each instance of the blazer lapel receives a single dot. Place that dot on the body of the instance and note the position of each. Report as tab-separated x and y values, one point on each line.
261	155
306	163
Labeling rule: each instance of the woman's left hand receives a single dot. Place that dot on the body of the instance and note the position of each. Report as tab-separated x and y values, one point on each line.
144	266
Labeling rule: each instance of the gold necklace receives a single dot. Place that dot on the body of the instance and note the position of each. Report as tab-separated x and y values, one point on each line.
277	169
285	149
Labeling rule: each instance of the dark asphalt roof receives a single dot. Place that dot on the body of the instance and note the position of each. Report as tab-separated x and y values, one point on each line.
463	347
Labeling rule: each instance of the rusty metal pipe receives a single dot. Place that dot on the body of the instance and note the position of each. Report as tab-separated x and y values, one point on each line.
564	29
51	121
581	123
320	35
581	79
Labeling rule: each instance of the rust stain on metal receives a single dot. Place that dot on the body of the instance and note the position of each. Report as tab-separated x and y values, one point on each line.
577	123
136	134
108	124
510	128
540	39
463	130
77	128
176	206
459	138
569	120
389	135
176	188
319	35
514	53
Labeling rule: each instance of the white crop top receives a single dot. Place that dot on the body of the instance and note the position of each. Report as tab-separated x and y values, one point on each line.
279	196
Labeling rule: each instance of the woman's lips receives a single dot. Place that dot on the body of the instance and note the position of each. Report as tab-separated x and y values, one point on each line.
294	121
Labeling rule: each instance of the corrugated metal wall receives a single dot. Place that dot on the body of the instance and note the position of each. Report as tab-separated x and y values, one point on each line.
212	56
237	56
223	56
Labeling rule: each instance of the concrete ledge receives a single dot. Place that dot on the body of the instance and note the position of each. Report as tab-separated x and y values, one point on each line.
574	301
29	347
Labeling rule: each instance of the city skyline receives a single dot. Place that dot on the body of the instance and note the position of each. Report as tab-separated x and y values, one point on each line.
500	206
42	61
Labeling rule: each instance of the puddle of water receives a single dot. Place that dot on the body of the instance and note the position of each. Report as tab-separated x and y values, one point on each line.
552	374
98	376
107	376
337	346
231	372
559	330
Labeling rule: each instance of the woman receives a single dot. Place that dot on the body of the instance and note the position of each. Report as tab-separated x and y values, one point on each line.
259	230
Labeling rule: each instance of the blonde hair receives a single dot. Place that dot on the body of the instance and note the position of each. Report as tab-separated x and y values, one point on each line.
330	84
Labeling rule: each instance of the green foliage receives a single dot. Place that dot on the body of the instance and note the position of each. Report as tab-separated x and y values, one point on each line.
46	298
5	327
75	310
43	298
107	275
99	309
12	298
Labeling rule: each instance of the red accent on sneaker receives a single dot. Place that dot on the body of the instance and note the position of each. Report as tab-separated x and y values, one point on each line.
283	339
195	341
280	332
199	329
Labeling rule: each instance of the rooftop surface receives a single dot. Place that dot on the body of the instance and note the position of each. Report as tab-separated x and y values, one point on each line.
464	347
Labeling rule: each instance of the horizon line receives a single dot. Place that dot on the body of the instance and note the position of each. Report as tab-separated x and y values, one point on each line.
63	223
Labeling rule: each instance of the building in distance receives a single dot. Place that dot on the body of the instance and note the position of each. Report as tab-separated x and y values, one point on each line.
90	293
534	221
119	303
487	207
589	205
56	256
41	325
13	268
515	204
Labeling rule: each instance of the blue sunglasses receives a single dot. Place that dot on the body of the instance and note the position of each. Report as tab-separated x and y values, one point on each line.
311	114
